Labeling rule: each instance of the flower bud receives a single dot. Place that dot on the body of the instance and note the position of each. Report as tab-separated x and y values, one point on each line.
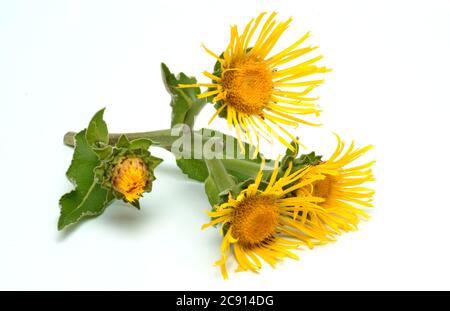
130	177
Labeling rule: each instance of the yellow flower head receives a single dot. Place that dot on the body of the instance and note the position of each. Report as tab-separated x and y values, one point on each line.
338	185
262	224
258	96
130	177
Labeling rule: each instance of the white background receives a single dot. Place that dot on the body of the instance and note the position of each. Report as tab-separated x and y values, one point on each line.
60	61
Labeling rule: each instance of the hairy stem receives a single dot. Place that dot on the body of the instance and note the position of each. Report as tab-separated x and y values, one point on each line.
163	138
219	175
246	167
166	138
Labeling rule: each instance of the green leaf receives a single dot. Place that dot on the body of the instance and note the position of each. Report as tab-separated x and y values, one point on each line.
194	168
123	142
97	131
185	104
88	198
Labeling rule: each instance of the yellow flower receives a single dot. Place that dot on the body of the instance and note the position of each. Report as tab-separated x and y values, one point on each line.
339	187
130	177
258	96
261	224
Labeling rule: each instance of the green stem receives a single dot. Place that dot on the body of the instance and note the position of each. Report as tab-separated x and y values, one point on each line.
164	139
219	175
193	112
245	167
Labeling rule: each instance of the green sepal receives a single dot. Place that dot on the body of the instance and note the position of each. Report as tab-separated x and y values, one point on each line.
103	152
308	159
155	161
122	142
184	102
140	143
298	162
136	204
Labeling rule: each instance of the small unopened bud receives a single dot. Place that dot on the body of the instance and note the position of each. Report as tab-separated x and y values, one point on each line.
130	177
